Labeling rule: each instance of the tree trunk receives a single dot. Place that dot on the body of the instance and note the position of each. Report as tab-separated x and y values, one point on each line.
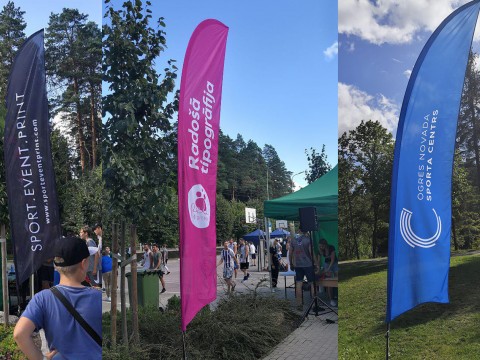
354	234
454	233
113	311
475	137
374	234
81	138
476	147
94	129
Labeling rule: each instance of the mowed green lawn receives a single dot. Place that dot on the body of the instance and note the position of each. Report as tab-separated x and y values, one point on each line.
430	331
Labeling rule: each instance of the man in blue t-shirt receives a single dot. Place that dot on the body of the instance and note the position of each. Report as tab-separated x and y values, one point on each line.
66	338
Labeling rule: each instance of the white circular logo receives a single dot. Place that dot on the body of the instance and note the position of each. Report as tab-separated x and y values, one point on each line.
199	206
413	239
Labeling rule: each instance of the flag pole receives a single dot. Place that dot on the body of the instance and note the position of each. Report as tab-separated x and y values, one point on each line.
184	345
387	338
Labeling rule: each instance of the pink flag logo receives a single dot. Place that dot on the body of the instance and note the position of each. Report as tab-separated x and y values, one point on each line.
199	206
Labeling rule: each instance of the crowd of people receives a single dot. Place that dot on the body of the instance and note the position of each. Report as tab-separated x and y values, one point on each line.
292	254
85	267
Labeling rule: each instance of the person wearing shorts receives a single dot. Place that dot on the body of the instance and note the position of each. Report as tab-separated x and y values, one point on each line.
228	258
253	255
232	245
301	262
244	264
156	265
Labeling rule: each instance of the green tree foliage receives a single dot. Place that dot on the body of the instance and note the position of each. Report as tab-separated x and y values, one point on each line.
350	208
317	163
12	26
466	174
86	203
468	131
365	163
138	112
12	36
367	153
465	208
279	181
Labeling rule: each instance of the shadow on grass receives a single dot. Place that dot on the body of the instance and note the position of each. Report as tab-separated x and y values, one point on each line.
464	290
359	268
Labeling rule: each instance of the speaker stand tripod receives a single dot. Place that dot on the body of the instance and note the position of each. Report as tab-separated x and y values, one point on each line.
316	299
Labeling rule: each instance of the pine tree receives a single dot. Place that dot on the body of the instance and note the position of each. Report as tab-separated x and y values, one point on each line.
73	60
12	36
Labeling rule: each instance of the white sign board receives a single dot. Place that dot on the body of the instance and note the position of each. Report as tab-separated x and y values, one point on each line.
250	216
281	224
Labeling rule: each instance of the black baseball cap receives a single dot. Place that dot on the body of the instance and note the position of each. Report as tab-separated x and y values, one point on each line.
71	249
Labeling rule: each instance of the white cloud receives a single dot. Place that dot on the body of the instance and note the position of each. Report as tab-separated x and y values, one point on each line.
348	46
331	51
355	105
392	21
407	73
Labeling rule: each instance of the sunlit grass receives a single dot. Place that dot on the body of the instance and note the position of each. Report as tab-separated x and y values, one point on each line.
430	331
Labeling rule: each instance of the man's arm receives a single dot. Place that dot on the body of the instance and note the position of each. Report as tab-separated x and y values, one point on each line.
23	337
290	258
95	262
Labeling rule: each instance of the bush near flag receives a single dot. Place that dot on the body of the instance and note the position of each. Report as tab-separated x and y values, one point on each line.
420	211
198	129
32	198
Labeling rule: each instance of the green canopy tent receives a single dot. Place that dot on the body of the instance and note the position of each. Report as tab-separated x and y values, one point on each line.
321	194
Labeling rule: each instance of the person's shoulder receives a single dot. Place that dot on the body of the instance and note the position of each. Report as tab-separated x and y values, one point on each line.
94	294
42	296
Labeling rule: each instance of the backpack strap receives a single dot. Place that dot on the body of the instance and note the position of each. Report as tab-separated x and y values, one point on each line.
77	316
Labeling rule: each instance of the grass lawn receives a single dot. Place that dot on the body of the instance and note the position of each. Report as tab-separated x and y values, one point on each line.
430	331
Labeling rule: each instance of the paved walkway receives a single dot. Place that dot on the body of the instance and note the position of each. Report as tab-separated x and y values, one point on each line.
315	339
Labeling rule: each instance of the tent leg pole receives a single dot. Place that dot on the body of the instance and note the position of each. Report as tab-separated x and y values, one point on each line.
267	231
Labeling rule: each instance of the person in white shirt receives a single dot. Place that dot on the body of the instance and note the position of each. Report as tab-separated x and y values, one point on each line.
232	245
253	254
98	230
147	257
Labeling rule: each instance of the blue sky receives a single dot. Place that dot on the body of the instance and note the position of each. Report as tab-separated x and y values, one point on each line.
279	86
379	43
37	12
281	66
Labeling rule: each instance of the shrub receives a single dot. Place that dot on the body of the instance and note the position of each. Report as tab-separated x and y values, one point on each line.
241	327
8	347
